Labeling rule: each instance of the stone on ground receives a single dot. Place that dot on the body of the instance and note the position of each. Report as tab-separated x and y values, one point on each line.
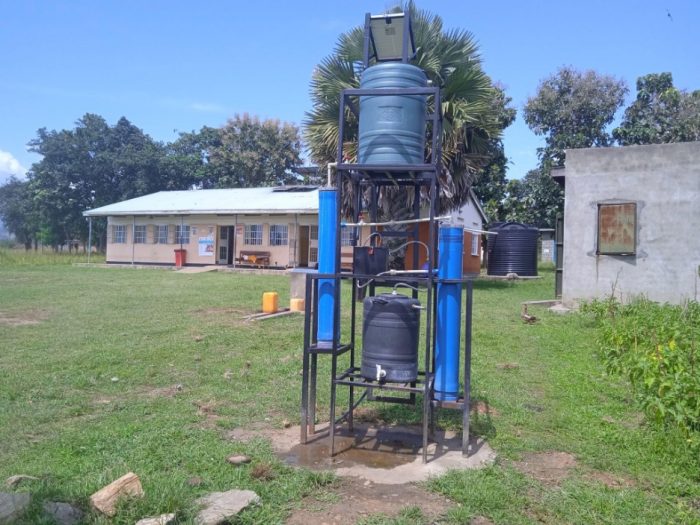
18	479
63	513
105	499
163	519
238	459
218	507
12	506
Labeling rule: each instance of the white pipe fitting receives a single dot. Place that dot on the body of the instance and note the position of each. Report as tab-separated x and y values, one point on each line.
381	373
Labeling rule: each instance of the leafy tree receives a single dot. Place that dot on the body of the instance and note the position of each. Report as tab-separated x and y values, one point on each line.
661	113
187	161
92	165
572	110
451	61
490	183
535	199
18	212
254	153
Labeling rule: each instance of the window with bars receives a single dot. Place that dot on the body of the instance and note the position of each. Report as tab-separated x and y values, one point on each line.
313	255
161	236
346	236
119	234
279	234
253	234
140	234
475	243
182	234
313	233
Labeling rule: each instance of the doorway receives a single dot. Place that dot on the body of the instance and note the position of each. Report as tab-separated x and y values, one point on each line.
303	246
226	244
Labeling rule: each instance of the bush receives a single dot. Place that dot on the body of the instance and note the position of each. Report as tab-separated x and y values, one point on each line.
655	346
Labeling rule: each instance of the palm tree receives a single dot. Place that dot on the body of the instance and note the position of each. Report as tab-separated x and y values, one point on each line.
451	61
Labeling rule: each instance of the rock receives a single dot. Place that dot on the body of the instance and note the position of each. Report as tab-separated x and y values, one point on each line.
105	499
238	459
63	513
115	379
163	519
218	507
18	479
12	505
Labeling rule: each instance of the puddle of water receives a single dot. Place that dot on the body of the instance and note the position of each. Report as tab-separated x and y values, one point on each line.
386	449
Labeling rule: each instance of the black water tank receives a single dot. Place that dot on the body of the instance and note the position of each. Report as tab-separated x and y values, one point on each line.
390	337
513	250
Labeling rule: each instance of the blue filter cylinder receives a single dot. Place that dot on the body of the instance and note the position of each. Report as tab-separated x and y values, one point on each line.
327	221
449	314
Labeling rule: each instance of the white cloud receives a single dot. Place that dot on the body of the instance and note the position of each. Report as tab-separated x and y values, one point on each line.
10	166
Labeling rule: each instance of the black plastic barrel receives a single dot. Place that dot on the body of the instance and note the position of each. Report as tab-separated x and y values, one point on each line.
390	338
513	249
392	127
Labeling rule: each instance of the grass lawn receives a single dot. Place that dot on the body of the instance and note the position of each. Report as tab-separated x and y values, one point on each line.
105	371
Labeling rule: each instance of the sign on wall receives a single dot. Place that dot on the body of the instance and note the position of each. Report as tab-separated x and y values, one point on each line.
206	246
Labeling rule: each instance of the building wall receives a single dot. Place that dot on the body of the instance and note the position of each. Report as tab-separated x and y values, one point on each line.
203	227
471	263
209	227
664	182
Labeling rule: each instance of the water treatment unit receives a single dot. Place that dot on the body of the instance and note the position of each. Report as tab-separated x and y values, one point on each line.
414	339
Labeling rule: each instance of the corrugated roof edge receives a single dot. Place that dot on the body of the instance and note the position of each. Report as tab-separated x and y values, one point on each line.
298	202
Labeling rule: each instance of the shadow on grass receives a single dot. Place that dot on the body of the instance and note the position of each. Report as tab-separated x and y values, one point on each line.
480	422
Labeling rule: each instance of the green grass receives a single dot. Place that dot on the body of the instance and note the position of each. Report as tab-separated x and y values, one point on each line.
17	256
64	419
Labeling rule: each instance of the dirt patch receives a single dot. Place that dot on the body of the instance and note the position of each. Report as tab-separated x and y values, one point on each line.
609	480
27	318
351	500
507	366
549	468
165	391
207	411
481	520
483	408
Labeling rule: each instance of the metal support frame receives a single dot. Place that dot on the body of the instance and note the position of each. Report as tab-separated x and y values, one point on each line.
360	177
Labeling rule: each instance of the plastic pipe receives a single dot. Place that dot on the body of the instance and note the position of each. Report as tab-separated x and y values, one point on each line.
331	165
327	213
449	314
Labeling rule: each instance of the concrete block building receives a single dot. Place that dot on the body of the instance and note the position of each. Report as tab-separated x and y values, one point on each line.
631	223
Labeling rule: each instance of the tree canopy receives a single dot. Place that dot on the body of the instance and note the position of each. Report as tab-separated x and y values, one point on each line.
252	153
18	212
95	164
535	199
573	109
661	113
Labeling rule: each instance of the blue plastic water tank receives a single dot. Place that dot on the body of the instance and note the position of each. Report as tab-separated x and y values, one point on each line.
392	127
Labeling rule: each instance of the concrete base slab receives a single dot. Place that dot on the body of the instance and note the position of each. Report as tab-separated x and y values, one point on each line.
391	455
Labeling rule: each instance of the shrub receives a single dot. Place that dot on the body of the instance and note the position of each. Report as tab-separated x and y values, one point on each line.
655	346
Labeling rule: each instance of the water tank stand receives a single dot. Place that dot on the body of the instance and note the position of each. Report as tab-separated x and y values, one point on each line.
354	181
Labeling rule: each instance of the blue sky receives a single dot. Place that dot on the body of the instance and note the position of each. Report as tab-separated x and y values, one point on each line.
171	66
